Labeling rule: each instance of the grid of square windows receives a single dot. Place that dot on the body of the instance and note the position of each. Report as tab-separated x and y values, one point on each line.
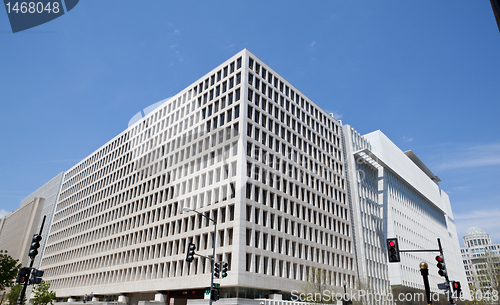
127	195
296	200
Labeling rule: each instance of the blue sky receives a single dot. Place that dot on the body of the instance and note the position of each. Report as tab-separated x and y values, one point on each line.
426	73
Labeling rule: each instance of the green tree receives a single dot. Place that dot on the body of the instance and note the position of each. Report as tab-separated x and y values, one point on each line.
8	270
42	294
318	287
13	295
364	285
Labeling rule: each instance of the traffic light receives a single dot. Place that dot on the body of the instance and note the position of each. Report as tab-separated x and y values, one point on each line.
214	295
441	266
224	270
443	286
217	270
36	276
457	288
190	252
393	250
22	275
35	244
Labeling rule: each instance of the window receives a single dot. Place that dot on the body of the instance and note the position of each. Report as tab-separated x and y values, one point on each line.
248	191
248	237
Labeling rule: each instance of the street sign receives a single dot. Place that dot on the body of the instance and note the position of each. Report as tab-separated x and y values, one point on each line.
443	286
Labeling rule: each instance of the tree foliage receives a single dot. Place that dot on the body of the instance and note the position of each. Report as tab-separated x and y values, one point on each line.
13	295
318	288
364	285
42	294
8	270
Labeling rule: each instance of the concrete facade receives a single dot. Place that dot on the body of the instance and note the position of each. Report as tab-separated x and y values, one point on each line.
48	192
240	145
27	220
394	194
294	194
368	219
17	229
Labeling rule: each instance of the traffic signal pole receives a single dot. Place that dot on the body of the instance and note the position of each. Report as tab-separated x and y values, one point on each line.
439	258
213	263
187	209
450	298
25	285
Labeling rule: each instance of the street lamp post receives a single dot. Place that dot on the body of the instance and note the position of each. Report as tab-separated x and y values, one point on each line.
188	209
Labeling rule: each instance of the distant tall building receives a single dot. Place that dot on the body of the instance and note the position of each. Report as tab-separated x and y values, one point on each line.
393	194
481	259
240	145
18	227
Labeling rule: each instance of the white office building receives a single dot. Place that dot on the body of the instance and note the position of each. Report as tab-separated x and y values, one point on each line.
394	194
295	195
240	145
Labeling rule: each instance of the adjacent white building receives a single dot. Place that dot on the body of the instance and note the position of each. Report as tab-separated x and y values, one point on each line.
240	145
393	194
368	220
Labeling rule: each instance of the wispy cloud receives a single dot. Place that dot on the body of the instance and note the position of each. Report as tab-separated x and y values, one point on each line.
3	213
336	115
479	214
177	32
407	139
486	219
471	156
230	47
458	189
313	43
